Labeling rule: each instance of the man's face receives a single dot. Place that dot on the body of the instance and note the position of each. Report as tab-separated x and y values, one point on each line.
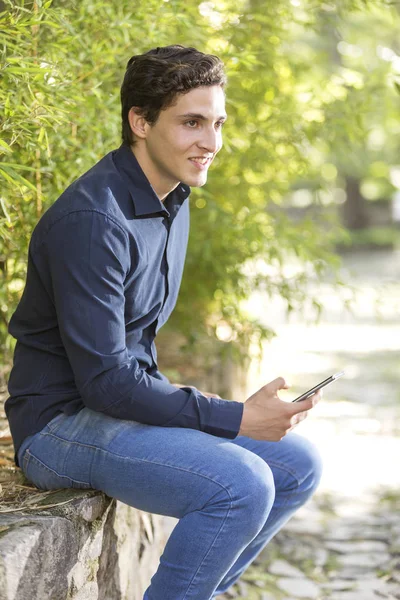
181	145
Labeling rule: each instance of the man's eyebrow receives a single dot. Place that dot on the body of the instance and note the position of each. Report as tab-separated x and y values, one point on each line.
200	117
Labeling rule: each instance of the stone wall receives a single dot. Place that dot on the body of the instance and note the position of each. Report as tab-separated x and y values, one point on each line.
85	547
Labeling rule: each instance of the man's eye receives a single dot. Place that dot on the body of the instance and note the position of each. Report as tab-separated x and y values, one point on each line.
190	123
220	124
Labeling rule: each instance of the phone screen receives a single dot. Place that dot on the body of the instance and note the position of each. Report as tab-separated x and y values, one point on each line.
317	387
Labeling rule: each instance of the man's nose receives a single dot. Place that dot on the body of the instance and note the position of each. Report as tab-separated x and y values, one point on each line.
211	140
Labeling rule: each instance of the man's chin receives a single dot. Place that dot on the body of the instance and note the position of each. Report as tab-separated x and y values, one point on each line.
195	181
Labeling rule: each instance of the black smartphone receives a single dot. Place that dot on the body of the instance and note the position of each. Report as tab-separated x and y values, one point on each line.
318	387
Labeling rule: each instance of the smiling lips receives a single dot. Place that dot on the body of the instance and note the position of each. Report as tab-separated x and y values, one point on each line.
201	162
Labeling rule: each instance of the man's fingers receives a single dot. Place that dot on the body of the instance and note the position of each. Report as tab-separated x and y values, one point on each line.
296	419
277	384
303	405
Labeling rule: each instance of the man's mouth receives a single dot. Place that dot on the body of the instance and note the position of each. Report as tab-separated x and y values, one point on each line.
200	161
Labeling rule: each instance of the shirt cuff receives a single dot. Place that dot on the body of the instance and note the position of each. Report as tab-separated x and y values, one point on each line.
225	418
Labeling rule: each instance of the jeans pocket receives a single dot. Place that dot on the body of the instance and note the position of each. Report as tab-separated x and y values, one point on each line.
45	478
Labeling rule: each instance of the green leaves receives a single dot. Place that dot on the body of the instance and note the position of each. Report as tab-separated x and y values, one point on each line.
4	147
4	209
292	109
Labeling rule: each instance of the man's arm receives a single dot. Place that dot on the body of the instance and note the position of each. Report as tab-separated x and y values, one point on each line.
87	257
207	394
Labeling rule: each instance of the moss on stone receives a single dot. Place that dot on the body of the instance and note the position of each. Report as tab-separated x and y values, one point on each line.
93	567
96	525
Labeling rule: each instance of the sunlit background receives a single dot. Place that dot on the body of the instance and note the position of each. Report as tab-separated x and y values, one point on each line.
357	423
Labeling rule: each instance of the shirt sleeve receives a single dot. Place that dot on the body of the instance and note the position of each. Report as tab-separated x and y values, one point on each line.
88	257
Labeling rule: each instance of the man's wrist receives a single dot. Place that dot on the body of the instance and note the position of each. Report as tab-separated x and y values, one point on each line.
245	425
245	419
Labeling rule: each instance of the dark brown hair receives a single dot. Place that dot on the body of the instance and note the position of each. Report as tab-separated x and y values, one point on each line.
154	79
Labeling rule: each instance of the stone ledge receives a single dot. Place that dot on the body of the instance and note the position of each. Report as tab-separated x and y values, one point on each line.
87	547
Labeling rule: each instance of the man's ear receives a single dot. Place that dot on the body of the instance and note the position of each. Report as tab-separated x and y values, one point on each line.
138	124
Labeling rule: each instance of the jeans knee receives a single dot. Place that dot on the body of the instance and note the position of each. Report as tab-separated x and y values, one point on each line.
254	493
311	466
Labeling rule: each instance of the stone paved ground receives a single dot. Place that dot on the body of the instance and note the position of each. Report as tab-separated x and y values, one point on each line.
333	549
345	544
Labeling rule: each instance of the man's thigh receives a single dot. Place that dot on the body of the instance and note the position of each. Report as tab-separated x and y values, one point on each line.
165	470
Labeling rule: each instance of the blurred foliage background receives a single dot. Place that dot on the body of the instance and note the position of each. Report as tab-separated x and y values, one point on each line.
310	161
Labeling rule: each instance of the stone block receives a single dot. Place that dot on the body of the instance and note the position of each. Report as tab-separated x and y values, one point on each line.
87	547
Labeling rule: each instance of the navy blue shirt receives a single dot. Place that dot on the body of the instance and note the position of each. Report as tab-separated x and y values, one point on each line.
104	269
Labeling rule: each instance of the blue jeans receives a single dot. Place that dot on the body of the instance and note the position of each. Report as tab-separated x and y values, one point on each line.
230	496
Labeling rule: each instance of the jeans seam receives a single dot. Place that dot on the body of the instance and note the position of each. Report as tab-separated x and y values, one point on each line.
25	459
288	470
210	548
143	460
47	468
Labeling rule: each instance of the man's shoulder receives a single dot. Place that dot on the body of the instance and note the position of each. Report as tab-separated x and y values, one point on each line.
99	191
94	189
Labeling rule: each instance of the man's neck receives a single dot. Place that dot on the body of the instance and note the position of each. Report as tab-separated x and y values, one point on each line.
161	188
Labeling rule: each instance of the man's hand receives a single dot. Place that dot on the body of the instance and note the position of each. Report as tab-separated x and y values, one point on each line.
208	395
266	417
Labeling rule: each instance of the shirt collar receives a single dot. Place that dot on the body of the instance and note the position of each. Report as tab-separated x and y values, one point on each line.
144	198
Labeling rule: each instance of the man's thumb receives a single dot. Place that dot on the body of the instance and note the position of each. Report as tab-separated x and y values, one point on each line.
277	384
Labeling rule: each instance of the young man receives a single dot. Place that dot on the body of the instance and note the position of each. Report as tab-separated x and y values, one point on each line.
88	407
